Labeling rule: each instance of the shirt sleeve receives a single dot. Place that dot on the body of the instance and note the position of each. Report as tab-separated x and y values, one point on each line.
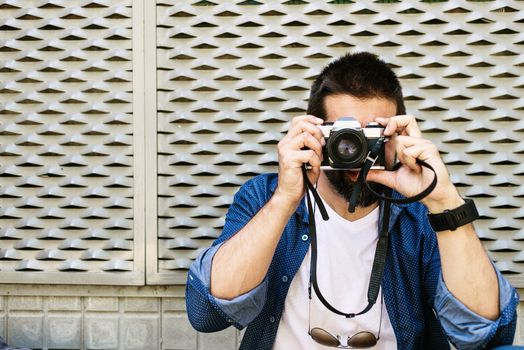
466	329
207	313
239	311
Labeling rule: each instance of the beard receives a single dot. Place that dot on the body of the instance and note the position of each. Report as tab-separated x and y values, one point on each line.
343	185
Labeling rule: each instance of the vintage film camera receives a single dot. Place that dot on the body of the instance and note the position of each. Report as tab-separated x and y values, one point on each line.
348	144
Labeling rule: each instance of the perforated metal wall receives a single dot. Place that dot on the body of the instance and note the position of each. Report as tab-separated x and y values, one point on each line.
66	154
214	90
231	76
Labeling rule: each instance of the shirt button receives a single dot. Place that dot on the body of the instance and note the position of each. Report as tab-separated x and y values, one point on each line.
284	278
304	237
272	319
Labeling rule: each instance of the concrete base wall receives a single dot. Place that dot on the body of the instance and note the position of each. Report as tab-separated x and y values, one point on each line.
76	317
99	317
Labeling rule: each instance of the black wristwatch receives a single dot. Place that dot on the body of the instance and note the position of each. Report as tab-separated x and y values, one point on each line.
451	219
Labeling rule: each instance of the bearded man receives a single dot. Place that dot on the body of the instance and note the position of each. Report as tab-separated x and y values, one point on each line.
438	284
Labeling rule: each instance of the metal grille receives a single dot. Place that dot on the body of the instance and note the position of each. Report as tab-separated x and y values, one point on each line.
231	76
66	154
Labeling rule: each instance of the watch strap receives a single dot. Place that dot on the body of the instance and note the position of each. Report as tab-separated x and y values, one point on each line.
453	218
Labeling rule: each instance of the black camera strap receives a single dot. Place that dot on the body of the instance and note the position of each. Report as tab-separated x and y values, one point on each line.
379	260
370	161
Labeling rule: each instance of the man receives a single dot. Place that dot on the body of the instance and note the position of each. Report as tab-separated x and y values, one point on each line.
437	286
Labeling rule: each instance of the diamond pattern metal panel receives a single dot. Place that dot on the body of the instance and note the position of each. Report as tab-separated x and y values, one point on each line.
231	76
66	153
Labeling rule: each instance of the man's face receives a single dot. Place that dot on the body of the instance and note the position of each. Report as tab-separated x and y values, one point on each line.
365	111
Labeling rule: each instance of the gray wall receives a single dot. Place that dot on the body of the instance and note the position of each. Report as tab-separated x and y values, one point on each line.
48	317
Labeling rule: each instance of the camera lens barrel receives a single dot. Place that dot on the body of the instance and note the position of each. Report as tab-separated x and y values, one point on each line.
348	144
347	148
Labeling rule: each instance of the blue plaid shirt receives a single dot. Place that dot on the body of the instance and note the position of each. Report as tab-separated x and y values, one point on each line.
423	313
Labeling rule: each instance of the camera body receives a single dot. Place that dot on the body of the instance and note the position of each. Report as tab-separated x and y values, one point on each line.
348	144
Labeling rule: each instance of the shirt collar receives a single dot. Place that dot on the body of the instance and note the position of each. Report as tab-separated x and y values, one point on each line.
394	213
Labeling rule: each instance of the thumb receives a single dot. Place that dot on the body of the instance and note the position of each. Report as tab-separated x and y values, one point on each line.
386	178
313	174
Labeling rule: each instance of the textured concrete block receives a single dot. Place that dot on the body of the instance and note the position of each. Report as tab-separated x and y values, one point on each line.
25	331
141	333
25	303
141	304
101	304
177	333
63	332
224	340
2	327
519	333
101	333
64	304
2	318
173	304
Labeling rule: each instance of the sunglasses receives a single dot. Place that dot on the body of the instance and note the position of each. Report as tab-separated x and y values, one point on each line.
360	340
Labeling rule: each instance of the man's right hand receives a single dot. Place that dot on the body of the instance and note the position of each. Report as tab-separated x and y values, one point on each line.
302	144
234	274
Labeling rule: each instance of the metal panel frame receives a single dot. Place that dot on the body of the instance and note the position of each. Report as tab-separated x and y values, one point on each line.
152	275
137	276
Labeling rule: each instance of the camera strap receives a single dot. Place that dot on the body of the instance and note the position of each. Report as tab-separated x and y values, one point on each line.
370	161
379	260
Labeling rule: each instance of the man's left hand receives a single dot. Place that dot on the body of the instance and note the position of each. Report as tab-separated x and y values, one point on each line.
412	178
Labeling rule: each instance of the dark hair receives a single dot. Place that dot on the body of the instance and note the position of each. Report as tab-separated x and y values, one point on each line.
362	75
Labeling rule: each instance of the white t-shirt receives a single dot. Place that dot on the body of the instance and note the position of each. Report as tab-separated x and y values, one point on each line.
345	252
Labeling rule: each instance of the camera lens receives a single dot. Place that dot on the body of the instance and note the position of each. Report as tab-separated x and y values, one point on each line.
347	148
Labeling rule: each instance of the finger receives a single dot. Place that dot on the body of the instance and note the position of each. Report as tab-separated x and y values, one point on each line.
296	159
313	174
409	141
287	154
410	149
306	118
314	161
305	140
400	124
408	157
306	126
386	178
